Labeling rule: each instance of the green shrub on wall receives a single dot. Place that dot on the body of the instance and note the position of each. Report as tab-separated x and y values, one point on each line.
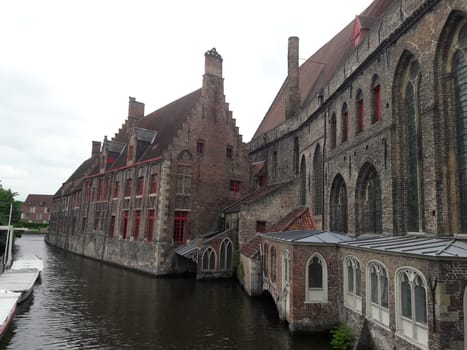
342	338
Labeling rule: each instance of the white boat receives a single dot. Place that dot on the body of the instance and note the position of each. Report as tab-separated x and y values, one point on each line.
20	281
30	262
8	301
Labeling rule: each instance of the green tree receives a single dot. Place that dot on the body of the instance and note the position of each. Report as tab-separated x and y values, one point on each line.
7	197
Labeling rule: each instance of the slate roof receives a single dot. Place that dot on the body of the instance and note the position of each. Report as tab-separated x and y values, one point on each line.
414	245
299	219
317	70
316	237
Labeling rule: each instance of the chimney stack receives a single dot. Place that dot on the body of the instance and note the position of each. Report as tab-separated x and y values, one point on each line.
213	63
292	103
135	108
96	147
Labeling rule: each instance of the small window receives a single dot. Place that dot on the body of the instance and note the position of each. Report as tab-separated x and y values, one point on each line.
200	147
209	260
359	112
140	186
154	183
229	152
376	100
128	185
226	255
260	226
234	189
333	131
131	153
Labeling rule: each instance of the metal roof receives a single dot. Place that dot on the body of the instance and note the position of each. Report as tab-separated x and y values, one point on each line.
425	246
309	237
189	250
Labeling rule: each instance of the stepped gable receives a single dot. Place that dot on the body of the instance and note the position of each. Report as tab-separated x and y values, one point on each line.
251	249
252	197
317	70
299	219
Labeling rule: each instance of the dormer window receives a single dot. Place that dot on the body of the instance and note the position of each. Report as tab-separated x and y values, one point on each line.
200	147
131	153
229	152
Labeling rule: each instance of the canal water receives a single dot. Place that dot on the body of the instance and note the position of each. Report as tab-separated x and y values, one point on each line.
80	303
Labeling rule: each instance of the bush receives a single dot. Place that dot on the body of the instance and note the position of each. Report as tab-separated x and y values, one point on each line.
342	338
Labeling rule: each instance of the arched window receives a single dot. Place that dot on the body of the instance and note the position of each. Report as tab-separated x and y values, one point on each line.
338	205
345	123
303	181
226	255
333	131
318	181
375	100
316	279
414	150
460	87
377	293
273	264
209	260
359	112
411	306
265	260
368	207
352	284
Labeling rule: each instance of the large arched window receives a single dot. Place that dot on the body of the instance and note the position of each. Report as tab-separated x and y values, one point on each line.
377	293
375	100
338	205
226	255
345	123
303	181
359	112
316	279
333	131
318	181
368	206
209	260
459	70
352	284
411	306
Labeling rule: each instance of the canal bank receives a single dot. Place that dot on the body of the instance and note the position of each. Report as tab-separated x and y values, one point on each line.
85	304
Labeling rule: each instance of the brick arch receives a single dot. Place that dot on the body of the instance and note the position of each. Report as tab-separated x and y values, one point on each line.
338	205
448	144
368	204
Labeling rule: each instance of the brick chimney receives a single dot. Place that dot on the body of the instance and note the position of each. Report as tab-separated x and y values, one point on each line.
292	102
96	147
213	63
135	108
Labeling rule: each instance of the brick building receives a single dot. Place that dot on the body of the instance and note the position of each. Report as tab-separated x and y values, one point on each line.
369	133
36	208
158	184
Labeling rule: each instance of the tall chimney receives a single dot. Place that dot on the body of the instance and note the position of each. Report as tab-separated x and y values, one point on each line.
96	147
292	102
135	108
213	63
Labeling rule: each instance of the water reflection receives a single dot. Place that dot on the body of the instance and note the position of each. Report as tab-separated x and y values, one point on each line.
84	304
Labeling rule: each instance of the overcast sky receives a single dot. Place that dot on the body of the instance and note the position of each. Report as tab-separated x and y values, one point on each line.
67	68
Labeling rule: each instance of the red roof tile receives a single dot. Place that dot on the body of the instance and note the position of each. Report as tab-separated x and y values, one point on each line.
299	219
251	249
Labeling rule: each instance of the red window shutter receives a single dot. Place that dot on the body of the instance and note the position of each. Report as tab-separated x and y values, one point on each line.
154	183
150	225
136	225
125	224
180	227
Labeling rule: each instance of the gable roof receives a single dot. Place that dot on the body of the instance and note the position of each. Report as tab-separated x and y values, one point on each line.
299	219
317	70
39	200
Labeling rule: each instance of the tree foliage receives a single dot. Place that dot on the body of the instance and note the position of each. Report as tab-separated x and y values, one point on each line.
7	197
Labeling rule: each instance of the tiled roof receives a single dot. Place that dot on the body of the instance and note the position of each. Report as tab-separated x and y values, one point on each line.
251	249
39	200
299	219
317	70
253	196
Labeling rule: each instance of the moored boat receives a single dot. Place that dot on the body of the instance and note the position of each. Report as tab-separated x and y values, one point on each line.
20	281
8	301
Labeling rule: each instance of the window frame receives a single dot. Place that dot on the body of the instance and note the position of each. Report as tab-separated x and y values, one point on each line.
375	310
352	284
317	295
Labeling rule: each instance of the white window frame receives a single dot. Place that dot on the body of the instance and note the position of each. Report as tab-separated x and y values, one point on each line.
376	311
317	295
352	300
409	329
210	256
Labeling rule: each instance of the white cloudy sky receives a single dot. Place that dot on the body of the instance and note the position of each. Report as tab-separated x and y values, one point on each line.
67	68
